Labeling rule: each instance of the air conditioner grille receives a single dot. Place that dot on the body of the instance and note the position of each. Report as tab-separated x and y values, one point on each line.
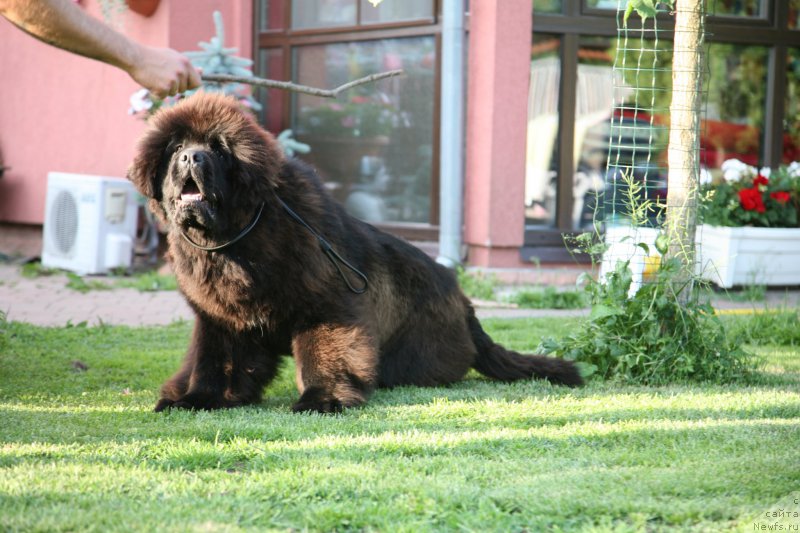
64	214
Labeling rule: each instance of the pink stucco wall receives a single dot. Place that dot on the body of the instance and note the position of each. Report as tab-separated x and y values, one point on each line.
62	112
499	66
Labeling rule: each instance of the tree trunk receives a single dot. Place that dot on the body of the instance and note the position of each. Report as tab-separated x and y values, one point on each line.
683	152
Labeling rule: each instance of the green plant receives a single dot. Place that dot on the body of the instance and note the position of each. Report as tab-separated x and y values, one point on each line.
36	270
745	196
646	8
650	337
149	282
775	327
477	284
666	331
550	298
80	284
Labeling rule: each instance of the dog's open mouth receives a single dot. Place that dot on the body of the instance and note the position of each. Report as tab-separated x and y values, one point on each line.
191	192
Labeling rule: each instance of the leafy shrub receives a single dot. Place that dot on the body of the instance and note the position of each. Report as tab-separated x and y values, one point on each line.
149	282
781	327
35	269
77	283
550	298
651	337
477	284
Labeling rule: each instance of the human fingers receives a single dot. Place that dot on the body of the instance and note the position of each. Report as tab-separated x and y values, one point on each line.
193	81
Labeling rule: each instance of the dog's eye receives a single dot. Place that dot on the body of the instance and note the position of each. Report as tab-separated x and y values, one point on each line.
177	148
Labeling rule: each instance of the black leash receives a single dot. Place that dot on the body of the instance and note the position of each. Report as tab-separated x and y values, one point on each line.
328	250
236	239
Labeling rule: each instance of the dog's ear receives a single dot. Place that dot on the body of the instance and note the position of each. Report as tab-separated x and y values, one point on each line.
146	171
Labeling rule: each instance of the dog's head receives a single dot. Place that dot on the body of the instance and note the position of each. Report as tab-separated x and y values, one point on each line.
205	164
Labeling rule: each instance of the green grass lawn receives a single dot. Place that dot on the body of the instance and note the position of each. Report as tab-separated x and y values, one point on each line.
80	450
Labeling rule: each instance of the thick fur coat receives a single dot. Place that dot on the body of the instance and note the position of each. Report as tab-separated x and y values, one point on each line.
210	172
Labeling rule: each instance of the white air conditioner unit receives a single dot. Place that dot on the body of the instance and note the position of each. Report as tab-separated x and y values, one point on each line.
89	223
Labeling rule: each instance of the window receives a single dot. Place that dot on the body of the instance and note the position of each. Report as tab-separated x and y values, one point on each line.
323	13
736	103
549	6
737	8
791	124
541	158
387	12
753	99
375	146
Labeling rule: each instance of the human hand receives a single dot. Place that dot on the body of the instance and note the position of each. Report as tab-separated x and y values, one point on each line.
164	71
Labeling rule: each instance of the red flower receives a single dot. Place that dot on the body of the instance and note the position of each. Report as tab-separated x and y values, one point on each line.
751	200
782	197
760	180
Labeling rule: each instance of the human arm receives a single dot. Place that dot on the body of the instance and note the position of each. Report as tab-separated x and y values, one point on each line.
63	24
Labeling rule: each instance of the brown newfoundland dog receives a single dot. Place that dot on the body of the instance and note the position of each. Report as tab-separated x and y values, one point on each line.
272	265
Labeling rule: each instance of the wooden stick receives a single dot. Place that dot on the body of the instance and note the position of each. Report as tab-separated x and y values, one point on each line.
289	86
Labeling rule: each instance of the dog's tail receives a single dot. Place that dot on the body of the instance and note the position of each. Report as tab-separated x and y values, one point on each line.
497	362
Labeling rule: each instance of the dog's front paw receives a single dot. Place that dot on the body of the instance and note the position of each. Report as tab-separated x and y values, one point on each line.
316	400
163	404
191	402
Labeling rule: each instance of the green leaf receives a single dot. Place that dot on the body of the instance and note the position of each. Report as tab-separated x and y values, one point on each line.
662	243
603	311
586	369
645	8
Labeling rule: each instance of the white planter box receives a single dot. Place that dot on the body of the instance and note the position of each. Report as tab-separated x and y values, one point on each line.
623	245
747	256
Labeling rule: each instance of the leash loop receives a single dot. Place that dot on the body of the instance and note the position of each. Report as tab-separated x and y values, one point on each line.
330	253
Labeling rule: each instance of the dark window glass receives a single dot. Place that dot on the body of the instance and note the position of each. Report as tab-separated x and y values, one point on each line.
270	64
548	6
395	11
541	158
308	14
621	129
603	4
794	10
271	14
735	107
373	146
791	124
736	8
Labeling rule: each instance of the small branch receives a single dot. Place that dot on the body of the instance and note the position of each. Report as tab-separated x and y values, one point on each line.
289	86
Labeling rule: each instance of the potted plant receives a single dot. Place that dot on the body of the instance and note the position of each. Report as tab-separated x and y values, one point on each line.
749	231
